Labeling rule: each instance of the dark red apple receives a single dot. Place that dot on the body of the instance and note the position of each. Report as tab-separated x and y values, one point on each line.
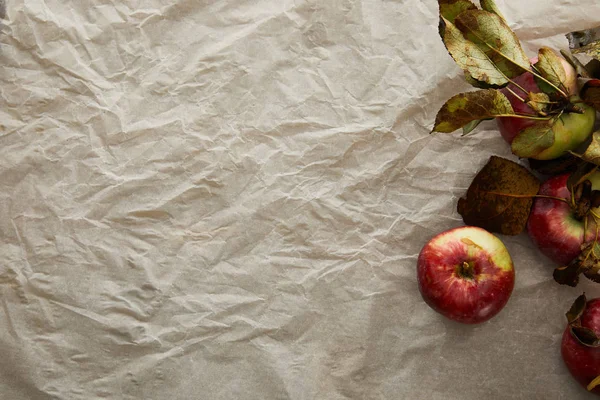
465	274
579	344
571	129
553	226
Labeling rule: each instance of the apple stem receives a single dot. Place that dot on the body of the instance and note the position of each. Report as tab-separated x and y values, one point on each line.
465	270
593	383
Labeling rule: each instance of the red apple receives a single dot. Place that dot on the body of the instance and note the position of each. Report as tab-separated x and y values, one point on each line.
578	350
571	129
552	224
466	274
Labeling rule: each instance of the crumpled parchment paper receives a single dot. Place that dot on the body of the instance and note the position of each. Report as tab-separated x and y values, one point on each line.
225	200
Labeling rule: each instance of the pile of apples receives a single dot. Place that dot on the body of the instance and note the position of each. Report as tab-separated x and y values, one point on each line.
544	113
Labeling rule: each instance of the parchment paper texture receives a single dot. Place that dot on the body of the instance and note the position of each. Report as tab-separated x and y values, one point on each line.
225	199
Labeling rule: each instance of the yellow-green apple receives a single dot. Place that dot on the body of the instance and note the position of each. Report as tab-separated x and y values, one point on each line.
465	274
571	128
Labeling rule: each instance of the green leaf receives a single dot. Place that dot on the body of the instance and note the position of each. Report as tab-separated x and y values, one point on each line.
533	140
449	9
490	5
500	197
468	128
495	38
471	106
577	309
550	67
470	58
590	93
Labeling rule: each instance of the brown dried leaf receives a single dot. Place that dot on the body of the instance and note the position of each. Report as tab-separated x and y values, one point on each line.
557	166
567	274
587	263
577	309
488	203
592	275
593	68
579	39
592	49
590	93
592	152
583	171
585	336
582	71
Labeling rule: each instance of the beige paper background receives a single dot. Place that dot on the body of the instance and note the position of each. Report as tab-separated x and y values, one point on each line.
225	200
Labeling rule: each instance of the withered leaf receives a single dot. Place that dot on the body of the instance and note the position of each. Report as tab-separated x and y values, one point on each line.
577	309
493	36
538	102
550	67
585	336
592	152
490	203
464	108
567	274
593	68
557	166
590	93
583	197
585	42
579	39
478	68
581	69
478	84
587	263
592	275
533	140
450	9
490	5
583	171
592	49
